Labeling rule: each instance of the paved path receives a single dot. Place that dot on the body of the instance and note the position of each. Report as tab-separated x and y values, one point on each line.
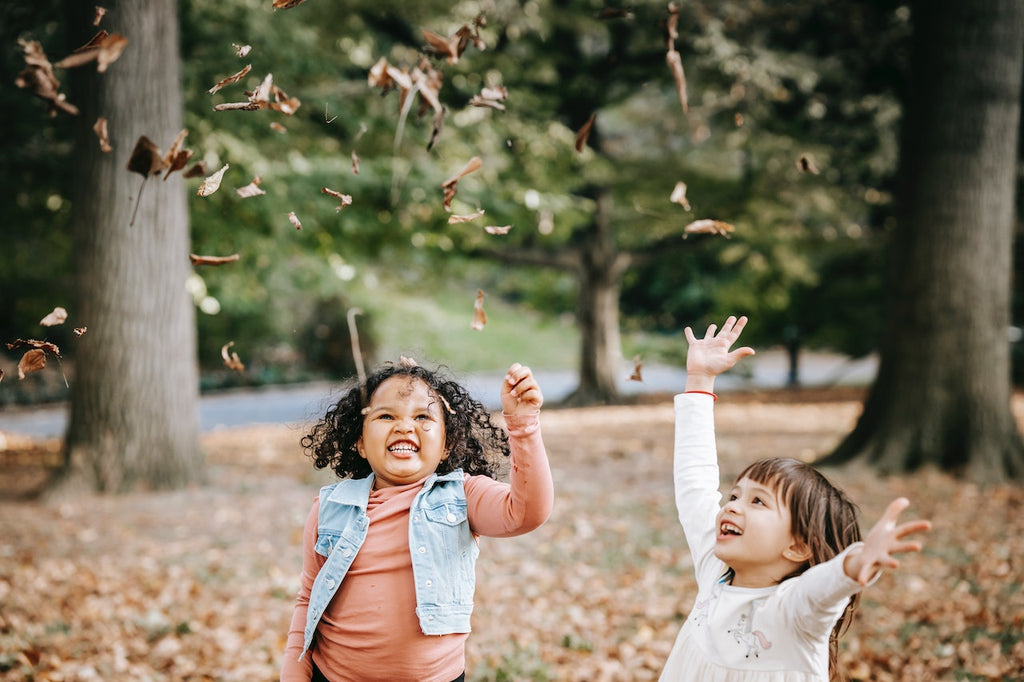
300	404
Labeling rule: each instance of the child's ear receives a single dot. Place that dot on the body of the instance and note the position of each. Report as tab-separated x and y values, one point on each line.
798	552
359	447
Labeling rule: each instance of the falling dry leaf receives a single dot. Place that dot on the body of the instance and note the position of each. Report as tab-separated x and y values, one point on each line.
708	226
252	189
274	125
456	219
231	360
675	63
490	97
584	133
450	185
100	128
98	15
105	48
355	163
404	361
231	79
260	98
435	131
679	195
451	48
32	361
242	50
146	160
637	367
287	4
212	182
294	220
78	331
497	229
1	374
806	164
738	119
58	316
212	260
38	77
33	343
345	199
176	158
479	317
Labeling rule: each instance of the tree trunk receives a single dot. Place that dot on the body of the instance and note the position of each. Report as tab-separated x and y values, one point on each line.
601	267
942	394
134	417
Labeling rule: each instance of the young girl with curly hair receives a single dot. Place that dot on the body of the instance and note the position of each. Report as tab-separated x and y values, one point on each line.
389	551
779	567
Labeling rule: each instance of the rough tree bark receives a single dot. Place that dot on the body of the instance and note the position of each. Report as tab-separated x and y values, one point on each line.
942	394
134	408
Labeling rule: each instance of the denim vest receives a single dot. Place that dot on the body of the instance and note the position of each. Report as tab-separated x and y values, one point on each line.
442	547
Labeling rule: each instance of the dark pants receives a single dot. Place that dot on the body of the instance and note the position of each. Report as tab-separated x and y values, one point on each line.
319	676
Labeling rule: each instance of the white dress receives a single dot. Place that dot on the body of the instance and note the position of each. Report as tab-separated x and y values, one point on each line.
740	634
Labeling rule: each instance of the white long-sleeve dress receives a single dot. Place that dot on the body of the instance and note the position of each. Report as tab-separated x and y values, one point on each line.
739	634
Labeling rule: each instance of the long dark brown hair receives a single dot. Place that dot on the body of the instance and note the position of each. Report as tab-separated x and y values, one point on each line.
821	516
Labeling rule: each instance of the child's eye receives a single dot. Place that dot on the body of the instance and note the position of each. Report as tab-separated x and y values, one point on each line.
384	416
732	497
423	416
758	500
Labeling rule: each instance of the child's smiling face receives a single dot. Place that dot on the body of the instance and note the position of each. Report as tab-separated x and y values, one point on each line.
403	432
755	536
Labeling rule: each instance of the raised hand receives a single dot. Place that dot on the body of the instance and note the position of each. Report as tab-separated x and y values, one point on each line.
883	541
520	392
708	357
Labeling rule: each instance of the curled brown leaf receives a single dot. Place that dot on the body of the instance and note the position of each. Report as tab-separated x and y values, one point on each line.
32	361
212	260
345	199
37	76
234	78
294	219
584	133
212	182
497	229
457	219
57	316
479	317
449	186
708	226
252	189
105	48
100	128
98	14
231	360
679	195
638	366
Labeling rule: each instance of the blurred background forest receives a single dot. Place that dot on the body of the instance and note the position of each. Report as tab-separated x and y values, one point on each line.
768	83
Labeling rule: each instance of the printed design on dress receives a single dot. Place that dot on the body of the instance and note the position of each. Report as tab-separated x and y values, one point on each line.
744	632
702	607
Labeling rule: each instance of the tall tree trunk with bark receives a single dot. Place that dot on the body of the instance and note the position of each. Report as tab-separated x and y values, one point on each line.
134	407
600	269
942	394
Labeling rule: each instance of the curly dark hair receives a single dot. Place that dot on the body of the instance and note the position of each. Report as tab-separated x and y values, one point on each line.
475	444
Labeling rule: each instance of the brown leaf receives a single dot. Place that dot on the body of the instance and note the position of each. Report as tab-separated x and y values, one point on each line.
637	367
231	79
479	317
346	199
252	189
58	316
212	260
176	158
212	182
490	97
451	48
457	219
294	220
242	50
32	361
274	125
100	128
146	159
260	98
708	226
675	64
231	361
1	374
38	77
496	229
806	164
738	119
98	15
78	331
355	163
33	343
436	130
103	47
287	4
449	186
679	195
197	170
584	133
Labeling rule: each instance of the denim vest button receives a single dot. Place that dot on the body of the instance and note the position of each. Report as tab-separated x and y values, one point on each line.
429	583
422	550
451	518
330	583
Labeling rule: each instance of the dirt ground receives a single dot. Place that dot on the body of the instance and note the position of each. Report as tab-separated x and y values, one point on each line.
199	584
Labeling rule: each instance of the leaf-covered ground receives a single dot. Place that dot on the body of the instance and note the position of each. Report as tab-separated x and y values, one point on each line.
198	584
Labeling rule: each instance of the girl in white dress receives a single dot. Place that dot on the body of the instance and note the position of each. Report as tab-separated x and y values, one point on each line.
780	566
